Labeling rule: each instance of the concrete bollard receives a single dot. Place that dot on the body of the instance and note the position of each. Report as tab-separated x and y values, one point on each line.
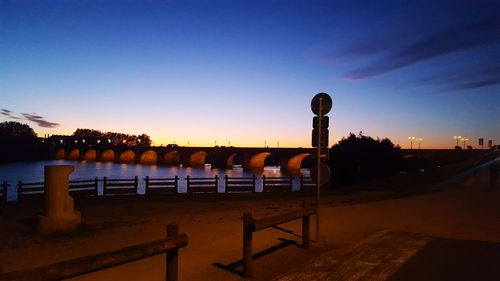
60	215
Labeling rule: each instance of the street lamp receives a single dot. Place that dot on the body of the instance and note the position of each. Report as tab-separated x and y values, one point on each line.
465	140
411	141
278	143
419	141
457	138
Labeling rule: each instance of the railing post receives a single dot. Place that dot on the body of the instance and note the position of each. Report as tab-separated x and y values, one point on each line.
146	185
136	184
305	228
172	259
216	183
4	191
104	184
301	182
96	182
19	190
176	184
291	183
187	185
247	245
263	183
225	183
253	182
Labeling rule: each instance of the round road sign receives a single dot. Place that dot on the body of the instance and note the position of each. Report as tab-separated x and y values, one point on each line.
324	174
326	103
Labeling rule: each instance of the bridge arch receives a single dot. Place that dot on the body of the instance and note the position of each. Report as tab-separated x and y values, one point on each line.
127	156
230	161
172	158
257	162
60	154
294	163
149	157
74	154
90	155
197	159
108	156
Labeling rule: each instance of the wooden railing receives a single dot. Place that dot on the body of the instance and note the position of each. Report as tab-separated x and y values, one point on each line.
155	186
161	185
251	225
83	187
120	186
202	185
75	188
241	184
88	264
276	184
30	190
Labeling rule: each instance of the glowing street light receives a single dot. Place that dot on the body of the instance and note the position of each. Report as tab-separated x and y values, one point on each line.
457	138
465	140
419	141
411	141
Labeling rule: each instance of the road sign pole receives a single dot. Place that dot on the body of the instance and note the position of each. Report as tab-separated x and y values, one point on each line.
318	163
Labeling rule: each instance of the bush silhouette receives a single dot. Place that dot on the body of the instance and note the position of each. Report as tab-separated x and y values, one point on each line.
359	157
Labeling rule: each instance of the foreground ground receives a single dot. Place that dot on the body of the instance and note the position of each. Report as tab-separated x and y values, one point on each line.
468	211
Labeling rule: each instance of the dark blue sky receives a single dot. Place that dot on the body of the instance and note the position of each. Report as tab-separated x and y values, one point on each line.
245	71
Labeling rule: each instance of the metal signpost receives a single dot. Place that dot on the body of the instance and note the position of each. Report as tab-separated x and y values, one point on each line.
321	104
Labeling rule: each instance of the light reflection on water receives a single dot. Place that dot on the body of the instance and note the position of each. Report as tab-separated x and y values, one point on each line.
33	171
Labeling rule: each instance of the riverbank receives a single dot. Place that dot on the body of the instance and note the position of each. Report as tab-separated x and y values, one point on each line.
214	227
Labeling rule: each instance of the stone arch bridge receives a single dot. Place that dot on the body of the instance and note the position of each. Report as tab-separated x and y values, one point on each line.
250	158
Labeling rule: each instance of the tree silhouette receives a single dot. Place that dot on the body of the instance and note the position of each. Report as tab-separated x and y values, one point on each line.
16	129
360	157
18	142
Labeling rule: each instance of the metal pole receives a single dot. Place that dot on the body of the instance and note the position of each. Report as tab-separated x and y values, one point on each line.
318	170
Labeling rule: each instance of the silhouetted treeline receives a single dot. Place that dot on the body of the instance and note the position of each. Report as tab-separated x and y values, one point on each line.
18	142
96	136
360	157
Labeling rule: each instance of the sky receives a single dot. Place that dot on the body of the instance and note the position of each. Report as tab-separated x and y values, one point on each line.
243	73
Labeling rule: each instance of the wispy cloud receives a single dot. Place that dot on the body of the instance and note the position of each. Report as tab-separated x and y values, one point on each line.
39	120
461	37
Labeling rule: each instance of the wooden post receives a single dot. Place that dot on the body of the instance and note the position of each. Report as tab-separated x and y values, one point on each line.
146	185
104	183
172	259
96	182
291	183
225	183
4	191
253	182
19	190
247	245
263	183
176	178
187	185
301	182
136	184
305	228
216	184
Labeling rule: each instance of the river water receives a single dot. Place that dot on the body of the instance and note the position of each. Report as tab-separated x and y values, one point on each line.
34	171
